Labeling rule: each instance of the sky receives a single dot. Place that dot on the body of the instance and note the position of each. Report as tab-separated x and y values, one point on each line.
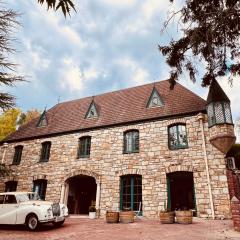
107	45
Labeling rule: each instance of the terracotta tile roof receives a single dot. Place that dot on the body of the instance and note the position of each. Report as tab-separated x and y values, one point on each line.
119	107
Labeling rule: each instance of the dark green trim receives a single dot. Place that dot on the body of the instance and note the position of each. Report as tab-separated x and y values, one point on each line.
214	122
134	141
92	105
150	99
178	146
121	193
132	192
168	193
41	119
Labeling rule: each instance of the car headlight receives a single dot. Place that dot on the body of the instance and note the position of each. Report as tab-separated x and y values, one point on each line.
49	211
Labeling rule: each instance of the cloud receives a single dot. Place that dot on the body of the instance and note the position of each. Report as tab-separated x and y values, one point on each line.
119	3
73	78
136	74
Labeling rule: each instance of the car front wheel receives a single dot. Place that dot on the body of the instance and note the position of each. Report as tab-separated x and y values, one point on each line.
32	222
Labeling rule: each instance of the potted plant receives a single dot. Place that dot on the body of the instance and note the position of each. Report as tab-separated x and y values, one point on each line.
92	212
166	215
126	216
112	217
184	216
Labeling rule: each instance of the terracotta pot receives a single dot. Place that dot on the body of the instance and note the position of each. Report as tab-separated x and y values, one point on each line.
126	217
112	217
184	217
167	217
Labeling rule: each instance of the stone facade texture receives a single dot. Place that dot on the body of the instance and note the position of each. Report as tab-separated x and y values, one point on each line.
107	163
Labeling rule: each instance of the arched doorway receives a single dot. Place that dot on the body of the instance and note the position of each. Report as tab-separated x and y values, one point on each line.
180	187
81	194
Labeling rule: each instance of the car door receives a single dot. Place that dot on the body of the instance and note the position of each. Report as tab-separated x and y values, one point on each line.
8	211
1	206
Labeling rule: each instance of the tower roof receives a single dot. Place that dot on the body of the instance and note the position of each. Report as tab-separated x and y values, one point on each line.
216	93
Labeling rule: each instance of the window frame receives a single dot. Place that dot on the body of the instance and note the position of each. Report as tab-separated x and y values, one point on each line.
42	184
178	146
135	145
17	157
86	142
45	151
212	122
133	194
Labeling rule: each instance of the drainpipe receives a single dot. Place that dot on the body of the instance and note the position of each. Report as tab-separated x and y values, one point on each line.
5	145
200	118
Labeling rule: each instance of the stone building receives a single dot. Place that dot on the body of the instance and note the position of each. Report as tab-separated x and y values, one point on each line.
136	148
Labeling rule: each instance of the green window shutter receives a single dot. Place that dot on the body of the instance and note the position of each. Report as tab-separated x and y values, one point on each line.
131	141
84	148
45	151
17	155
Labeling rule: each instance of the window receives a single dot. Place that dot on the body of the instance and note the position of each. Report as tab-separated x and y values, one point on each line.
11	186
177	137
92	111
84	147
10	199
40	187
131	193
131	141
42	122
219	112
17	155
155	99
45	152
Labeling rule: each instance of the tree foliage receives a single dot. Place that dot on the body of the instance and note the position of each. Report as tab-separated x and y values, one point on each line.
8	122
8	22
28	116
210	33
65	5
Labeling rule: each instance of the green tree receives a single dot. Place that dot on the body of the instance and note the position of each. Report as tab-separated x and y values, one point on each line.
8	122
28	116
65	5
210	34
8	76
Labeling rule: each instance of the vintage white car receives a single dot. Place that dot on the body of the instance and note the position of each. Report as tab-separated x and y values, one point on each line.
26	208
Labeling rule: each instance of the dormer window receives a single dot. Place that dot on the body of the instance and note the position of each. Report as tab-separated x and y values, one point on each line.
92	111
42	122
155	99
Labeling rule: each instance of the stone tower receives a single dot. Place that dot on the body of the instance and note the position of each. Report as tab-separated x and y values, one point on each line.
220	122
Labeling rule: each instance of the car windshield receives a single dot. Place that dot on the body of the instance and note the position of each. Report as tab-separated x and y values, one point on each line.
27	197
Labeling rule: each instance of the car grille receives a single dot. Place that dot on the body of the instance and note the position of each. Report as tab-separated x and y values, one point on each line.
56	209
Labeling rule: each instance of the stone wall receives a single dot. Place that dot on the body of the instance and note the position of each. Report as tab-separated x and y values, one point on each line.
108	162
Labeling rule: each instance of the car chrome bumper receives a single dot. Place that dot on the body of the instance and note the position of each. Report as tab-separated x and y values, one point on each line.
54	219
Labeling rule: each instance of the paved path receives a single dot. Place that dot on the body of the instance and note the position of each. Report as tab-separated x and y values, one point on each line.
86	229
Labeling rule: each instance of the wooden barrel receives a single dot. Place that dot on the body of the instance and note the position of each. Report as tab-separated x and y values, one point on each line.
167	217
126	217
112	217
184	217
